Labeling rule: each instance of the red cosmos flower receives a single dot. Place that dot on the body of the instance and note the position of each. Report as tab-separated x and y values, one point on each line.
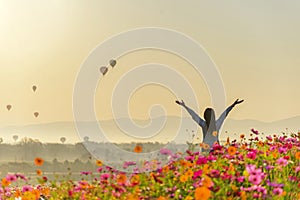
254	131
156	179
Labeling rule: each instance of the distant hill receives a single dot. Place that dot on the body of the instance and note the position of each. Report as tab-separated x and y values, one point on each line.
52	132
243	126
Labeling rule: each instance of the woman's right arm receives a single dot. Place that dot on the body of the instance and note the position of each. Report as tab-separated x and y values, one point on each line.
194	115
226	112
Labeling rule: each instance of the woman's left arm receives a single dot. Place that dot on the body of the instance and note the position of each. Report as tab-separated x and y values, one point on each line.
221	119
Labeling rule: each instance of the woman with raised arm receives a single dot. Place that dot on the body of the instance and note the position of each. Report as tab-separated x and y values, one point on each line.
210	126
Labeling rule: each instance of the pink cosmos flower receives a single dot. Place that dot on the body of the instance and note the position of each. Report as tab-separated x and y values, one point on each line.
255	179
189	158
26	188
85	173
240	179
282	138
269	138
250	168
254	131
226	176
241	157
251	155
273	148
116	194
11	177
104	177
214	173
197	183
262	190
269	167
282	161
256	195
293	178
273	184
99	169
256	175
21	176
211	157
278	191
165	151
197	174
282	150
201	160
128	164
217	146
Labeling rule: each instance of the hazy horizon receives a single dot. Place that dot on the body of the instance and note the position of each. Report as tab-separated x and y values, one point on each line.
172	130
149	119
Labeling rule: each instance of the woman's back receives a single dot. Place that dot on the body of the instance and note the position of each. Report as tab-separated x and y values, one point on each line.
210	126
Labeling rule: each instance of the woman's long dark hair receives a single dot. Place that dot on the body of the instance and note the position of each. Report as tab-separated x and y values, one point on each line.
210	119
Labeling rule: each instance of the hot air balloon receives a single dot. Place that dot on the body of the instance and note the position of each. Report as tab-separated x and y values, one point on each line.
112	62
34	88
15	137
63	139
36	114
8	107
103	70
86	138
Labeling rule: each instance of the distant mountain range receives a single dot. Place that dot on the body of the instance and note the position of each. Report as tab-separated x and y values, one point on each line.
171	131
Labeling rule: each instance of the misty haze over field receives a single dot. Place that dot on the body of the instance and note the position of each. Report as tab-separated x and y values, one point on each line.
172	131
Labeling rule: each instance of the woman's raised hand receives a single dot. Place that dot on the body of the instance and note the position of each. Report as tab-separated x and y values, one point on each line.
237	102
180	103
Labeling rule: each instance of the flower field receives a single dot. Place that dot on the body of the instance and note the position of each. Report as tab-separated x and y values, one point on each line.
250	168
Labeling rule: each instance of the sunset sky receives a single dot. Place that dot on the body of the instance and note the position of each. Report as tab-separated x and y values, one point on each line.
255	45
